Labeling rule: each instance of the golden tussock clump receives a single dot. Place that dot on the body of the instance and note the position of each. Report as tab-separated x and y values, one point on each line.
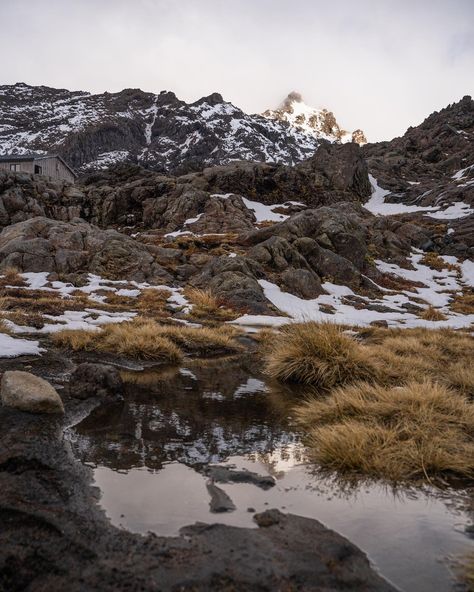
468	575
318	354
435	261
201	339
206	304
463	303
146	339
442	355
10	276
419	430
432	314
136	340
153	300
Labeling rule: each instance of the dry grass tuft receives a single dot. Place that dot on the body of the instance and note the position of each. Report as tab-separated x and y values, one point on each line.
204	300
208	305
10	276
75	339
442	355
463	303
146	339
202	340
435	261
136	340
4	327
432	314
318	354
419	430
468	575
153	300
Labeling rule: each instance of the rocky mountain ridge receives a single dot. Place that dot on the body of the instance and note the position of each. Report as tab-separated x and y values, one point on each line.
157	131
320	123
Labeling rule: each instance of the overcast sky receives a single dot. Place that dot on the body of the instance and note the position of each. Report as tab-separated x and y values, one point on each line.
380	65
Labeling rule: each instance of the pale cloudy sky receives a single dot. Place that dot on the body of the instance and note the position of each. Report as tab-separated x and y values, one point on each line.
381	65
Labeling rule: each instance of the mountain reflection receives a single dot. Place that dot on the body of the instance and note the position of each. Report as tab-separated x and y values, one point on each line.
195	415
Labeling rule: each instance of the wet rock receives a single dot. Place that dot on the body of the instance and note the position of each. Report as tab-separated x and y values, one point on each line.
220	501
327	264
95	380
277	254
27	392
209	213
268	518
230	475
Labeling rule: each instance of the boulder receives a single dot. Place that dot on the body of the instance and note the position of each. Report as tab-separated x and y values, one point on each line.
234	279
95	380
27	392
301	282
42	244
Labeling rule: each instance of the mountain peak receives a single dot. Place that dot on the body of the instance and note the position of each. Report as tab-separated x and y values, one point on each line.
320	123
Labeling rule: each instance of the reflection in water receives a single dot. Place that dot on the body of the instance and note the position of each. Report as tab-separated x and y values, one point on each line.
150	454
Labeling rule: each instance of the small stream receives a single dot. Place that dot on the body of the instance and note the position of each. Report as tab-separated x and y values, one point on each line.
150	453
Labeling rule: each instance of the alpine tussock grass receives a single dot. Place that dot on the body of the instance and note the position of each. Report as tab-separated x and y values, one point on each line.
147	339
397	406
418	430
318	354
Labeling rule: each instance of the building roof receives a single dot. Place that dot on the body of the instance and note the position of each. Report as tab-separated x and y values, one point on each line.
33	157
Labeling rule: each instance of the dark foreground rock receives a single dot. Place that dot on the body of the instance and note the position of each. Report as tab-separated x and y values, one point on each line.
54	537
96	380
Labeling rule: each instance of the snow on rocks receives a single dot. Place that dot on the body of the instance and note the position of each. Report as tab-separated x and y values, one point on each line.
377	205
437	289
456	210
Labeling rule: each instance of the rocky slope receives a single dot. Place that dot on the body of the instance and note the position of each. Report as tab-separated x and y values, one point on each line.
319	123
428	173
156	131
323	230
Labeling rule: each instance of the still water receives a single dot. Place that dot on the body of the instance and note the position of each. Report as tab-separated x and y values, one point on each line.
150	454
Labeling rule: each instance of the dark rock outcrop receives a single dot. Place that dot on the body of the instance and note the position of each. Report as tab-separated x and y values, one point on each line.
41	244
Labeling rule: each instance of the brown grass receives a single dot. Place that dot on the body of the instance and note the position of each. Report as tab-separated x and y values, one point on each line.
153	300
440	355
10	276
202	340
4	328
208	305
432	314
421	430
132	339
468	575
321	355
435	261
146	339
463	303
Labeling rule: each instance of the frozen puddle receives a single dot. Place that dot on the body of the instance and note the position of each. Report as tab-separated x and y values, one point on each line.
150	454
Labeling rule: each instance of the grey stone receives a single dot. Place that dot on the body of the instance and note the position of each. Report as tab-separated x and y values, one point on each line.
27	392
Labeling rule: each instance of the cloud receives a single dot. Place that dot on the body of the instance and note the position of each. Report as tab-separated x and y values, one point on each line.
381	66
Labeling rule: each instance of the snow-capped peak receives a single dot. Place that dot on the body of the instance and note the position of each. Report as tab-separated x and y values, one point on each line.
319	123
